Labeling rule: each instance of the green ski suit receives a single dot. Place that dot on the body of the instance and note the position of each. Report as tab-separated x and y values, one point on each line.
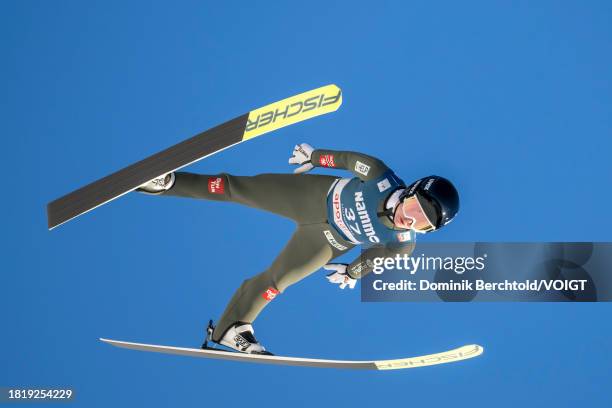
302	198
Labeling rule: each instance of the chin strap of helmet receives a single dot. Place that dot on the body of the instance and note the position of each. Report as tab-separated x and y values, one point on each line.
391	204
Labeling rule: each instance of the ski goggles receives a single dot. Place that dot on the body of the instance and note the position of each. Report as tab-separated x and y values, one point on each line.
413	209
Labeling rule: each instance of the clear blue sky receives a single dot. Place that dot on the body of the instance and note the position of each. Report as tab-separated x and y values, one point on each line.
511	100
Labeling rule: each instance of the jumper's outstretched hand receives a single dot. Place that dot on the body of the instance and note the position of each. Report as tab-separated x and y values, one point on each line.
301	155
340	276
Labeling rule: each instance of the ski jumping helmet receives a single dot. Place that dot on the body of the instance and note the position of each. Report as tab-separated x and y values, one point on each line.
437	196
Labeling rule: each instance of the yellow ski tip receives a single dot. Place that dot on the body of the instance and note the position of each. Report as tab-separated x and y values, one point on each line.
458	354
291	110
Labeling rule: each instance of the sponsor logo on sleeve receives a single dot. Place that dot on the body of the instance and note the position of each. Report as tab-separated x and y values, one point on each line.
333	241
357	270
327	160
362	168
216	185
270	294
383	185
403	236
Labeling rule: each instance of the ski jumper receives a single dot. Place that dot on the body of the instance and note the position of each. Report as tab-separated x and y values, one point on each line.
332	215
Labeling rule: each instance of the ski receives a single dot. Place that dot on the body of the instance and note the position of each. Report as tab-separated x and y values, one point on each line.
458	354
245	127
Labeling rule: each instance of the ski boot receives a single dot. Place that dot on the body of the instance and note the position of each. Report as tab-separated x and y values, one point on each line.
238	337
158	185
